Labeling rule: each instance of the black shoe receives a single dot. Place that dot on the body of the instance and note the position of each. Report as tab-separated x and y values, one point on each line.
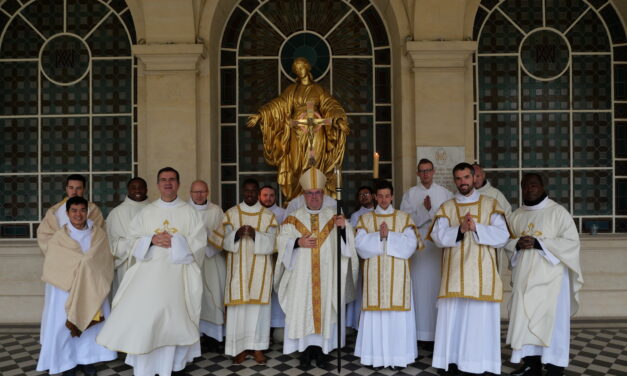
305	359
179	373
88	369
70	372
322	360
552	370
532	366
452	370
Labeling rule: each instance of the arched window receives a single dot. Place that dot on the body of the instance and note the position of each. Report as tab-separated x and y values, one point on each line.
67	105
551	97
348	46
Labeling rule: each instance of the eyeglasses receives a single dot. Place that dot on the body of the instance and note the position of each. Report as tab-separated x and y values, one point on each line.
364	194
425	171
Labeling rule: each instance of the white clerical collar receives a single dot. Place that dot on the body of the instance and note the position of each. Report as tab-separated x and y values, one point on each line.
485	187
88	227
250	209
130	201
198	207
311	211
165	204
365	209
474	196
380	210
541	205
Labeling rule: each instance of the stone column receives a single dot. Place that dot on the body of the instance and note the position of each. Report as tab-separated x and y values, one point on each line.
443	95
167	101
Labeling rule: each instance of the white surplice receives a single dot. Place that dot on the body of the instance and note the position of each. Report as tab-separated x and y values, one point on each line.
248	325
545	281
59	350
490	191
387	338
156	311
293	279
353	309
425	265
213	275
277	319
468	331
118	231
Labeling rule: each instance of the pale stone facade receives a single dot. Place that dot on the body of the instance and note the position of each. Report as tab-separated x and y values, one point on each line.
178	88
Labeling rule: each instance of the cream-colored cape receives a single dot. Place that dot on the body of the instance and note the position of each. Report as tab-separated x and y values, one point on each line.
158	302
248	261
469	269
49	225
536	281
386	279
308	289
86	276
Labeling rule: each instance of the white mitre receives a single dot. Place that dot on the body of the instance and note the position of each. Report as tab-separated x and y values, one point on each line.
313	179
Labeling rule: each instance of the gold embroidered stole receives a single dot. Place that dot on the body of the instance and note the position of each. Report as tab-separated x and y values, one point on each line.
248	275
469	269
321	234
386	279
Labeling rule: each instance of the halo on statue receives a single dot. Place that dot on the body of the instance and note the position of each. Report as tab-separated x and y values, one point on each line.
308	45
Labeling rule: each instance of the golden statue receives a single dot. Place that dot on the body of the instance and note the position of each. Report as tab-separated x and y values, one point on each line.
303	127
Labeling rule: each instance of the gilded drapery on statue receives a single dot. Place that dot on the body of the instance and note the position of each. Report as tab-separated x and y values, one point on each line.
286	138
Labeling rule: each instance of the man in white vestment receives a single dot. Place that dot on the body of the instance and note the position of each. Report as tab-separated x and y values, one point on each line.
56	216
365	197
386	239
248	236
422	202
483	186
267	197
546	279
78	269
156	310
213	271
119	228
306	274
469	228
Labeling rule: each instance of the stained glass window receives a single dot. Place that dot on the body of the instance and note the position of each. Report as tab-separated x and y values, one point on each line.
67	104
348	46
551	97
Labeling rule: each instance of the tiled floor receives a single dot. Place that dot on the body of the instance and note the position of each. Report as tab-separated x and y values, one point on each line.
593	352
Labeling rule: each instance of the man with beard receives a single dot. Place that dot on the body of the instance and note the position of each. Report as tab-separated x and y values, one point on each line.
546	279
119	227
469	228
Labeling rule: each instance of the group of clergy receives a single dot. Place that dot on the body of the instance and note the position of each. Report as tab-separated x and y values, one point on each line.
177	272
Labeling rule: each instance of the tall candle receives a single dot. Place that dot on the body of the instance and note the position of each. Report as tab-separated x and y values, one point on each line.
338	178
375	168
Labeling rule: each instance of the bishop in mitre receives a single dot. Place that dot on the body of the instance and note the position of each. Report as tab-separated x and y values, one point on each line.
78	269
213	269
386	239
469	228
306	274
546	278
119	227
248	237
56	216
156	310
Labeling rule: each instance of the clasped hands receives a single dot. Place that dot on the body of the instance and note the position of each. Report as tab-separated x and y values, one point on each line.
468	224
246	230
309	241
526	242
162	239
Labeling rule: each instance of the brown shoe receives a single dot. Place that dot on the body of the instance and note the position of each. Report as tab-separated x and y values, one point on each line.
259	357
239	358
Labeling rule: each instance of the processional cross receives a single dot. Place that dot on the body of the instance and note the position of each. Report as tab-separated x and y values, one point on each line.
310	123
